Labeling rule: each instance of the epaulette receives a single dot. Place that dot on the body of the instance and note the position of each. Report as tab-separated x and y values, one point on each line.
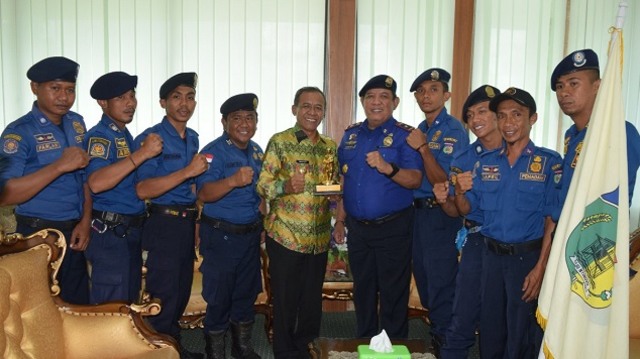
548	151
404	126
353	125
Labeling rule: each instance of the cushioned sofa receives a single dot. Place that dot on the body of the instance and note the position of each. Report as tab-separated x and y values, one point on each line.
38	324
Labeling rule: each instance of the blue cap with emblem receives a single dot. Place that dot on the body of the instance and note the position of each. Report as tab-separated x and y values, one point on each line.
244	102
113	84
520	96
579	60
54	68
189	79
433	74
481	94
379	82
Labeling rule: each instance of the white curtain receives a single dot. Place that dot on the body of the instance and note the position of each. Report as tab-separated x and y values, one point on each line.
269	47
402	39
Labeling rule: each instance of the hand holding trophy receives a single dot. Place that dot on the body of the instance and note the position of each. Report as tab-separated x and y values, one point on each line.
328	170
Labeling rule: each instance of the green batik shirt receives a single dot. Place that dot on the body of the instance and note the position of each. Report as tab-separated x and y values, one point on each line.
302	221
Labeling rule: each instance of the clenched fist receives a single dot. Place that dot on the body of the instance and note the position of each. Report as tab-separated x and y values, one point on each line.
243	177
151	146
72	159
197	166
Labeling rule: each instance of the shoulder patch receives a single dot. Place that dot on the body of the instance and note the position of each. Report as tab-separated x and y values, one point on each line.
10	144
99	147
353	125
404	126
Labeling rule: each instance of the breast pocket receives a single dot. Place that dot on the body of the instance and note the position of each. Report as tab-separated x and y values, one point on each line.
49	156
530	196
489	195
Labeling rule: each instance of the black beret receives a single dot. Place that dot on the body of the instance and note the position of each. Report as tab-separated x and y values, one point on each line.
182	79
434	74
481	94
579	60
520	96
113	84
245	102
54	68
379	82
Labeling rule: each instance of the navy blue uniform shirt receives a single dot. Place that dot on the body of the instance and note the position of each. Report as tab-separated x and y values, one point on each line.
240	206
107	144
368	194
176	154
445	137
468	160
33	142
515	200
573	140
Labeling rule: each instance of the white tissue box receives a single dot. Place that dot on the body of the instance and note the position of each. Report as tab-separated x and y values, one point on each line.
399	352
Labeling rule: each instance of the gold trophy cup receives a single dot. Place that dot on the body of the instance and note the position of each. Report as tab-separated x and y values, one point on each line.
328	186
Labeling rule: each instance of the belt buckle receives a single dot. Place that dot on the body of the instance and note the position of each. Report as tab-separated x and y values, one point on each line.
110	216
506	248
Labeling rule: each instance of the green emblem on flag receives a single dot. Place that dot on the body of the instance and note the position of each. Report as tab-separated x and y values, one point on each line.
590	254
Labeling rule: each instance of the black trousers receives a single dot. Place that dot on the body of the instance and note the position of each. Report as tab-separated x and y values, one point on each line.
296	288
170	242
380	260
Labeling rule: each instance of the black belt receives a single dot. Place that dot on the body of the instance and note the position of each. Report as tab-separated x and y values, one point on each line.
381	220
188	212
116	218
470	224
41	223
427	202
232	227
501	248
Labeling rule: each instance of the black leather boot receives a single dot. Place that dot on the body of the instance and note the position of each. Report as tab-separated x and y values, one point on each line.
215	344
241	347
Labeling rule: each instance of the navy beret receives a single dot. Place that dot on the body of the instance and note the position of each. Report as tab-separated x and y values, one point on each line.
182	79
379	82
245	102
578	60
54	68
520	96
113	84
481	94
434	74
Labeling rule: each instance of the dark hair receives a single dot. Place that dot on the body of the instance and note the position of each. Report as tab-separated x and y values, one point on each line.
305	89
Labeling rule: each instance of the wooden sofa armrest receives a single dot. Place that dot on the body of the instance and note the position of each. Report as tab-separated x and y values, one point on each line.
94	329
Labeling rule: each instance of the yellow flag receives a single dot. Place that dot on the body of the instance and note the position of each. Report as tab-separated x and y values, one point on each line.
584	301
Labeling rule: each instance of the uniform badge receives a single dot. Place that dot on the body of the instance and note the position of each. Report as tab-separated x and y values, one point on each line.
478	149
489	91
574	162
557	177
113	127
453	178
510	91
10	146
345	168
490	173
99	147
448	148
566	145
579	59
352	137
435	75
388	140
255	103
436	136
388	81
122	147
78	127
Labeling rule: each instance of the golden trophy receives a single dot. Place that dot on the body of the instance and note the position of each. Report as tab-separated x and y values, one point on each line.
328	171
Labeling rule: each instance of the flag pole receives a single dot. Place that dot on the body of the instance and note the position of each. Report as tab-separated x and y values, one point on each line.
622	12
